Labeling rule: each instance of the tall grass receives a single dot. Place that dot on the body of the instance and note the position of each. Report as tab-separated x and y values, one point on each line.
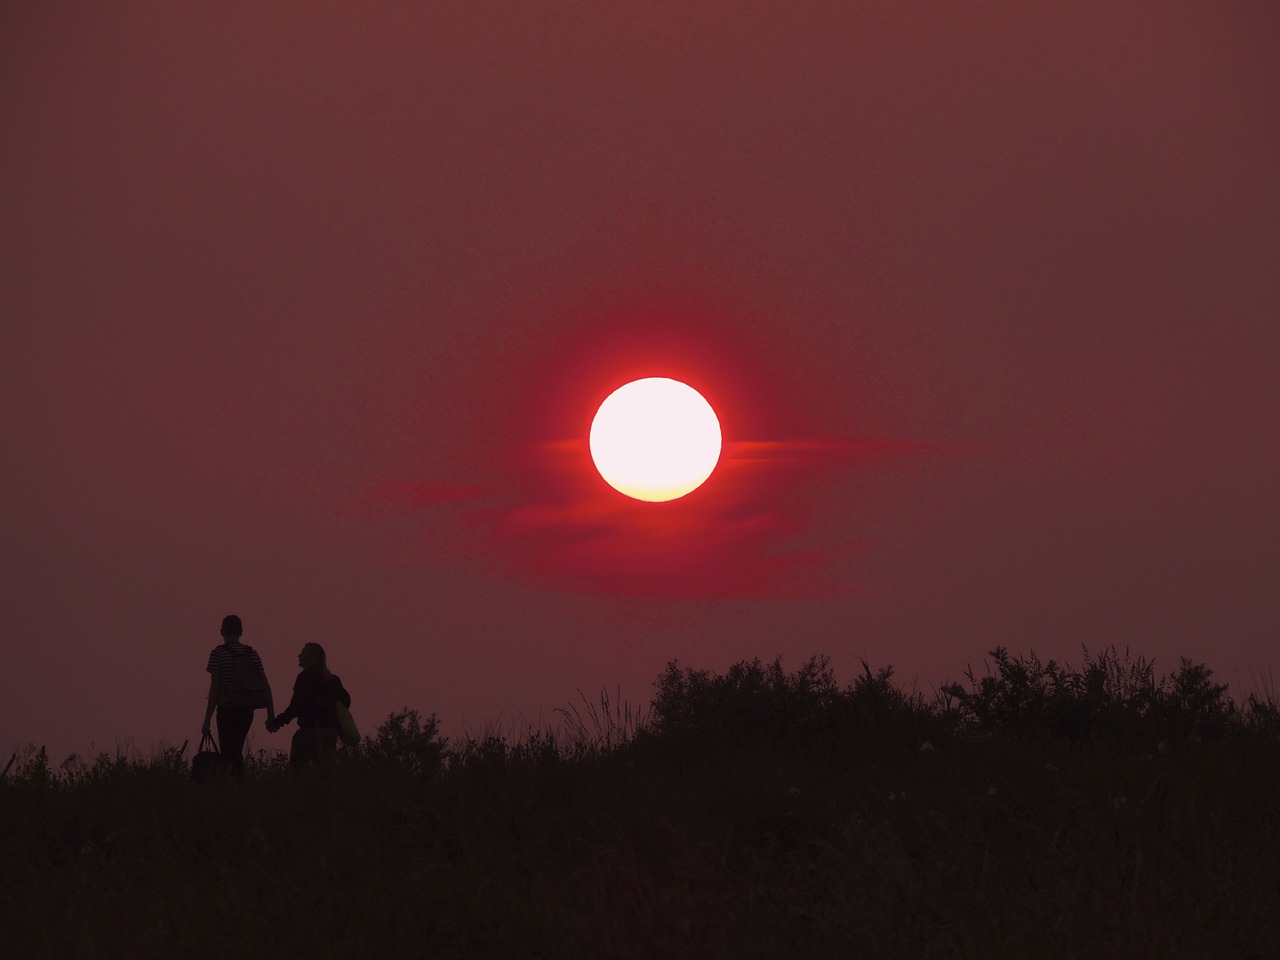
1032	810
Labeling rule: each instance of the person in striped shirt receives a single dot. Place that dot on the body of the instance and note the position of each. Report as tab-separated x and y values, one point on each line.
234	719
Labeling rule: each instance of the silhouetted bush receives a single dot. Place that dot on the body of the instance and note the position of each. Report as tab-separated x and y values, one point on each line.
1262	716
1189	703
806	710
407	742
32	768
752	701
1112	697
489	752
883	717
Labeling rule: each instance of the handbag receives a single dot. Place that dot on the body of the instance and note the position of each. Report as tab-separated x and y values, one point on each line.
347	730
207	763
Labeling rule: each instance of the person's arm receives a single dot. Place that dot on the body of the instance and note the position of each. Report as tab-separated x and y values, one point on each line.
271	707
289	712
210	703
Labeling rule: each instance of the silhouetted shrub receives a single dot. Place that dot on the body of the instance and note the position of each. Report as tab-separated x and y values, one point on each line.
1189	703
1016	697
407	742
752	701
805	710
490	751
32	768
1262	716
876	714
1112	697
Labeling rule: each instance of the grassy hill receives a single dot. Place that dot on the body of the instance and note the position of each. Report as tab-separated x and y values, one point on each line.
1036	811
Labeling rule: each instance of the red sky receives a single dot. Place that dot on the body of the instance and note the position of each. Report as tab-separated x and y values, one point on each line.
306	311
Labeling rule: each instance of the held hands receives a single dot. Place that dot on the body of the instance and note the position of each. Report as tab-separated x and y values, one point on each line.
273	725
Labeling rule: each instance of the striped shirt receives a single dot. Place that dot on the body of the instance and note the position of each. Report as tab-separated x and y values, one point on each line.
220	665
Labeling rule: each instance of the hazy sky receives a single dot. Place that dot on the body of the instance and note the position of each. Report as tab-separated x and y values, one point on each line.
306	311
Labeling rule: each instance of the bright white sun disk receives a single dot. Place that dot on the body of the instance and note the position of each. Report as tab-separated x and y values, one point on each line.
655	439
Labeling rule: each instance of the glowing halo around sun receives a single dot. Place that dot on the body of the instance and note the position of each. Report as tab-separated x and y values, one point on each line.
655	439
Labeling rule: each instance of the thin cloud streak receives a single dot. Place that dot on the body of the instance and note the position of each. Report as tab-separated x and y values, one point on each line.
735	536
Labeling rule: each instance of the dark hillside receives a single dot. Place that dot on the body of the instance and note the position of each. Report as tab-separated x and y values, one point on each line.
1032	812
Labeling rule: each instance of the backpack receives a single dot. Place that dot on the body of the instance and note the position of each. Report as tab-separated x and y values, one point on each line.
248	688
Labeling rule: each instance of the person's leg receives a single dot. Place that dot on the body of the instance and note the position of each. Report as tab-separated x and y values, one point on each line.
306	749
233	728
326	744
298	748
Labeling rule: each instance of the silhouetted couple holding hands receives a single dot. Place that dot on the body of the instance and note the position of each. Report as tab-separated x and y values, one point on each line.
316	695
238	686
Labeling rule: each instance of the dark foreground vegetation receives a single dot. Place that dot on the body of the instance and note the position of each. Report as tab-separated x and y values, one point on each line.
1035	811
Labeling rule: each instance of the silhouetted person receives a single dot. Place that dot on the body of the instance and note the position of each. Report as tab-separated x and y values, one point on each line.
237	686
316	693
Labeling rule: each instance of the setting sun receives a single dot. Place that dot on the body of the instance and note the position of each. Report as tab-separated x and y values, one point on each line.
655	439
